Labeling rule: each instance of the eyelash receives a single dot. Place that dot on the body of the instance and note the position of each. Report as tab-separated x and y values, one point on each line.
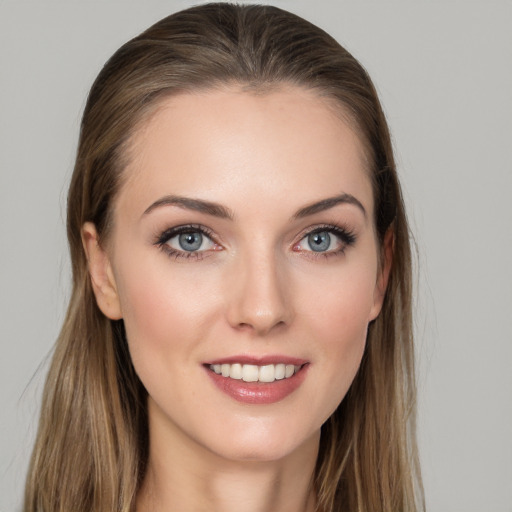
346	236
163	238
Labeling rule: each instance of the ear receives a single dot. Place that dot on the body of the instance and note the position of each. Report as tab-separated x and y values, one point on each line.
100	271
383	276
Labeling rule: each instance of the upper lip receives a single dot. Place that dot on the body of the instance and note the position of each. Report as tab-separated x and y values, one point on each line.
258	360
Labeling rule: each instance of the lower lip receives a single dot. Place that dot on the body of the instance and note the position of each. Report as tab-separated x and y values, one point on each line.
258	392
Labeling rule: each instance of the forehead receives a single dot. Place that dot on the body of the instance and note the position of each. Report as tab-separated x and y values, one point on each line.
232	146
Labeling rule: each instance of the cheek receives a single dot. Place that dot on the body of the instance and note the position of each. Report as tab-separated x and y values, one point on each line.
161	308
339	315
345	326
341	302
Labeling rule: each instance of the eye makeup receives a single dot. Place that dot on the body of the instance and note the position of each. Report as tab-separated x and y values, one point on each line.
196	241
320	241
187	235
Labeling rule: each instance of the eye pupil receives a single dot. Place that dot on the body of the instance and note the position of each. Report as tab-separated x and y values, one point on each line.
190	241
319	241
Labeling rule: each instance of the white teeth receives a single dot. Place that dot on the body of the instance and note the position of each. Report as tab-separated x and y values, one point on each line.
225	368
280	371
250	373
267	373
235	372
254	373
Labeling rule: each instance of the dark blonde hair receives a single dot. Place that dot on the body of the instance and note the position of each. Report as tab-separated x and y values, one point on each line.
92	443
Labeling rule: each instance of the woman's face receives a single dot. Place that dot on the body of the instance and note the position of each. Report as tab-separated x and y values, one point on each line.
243	251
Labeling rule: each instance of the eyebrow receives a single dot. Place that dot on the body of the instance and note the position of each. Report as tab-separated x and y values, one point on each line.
330	202
217	210
188	203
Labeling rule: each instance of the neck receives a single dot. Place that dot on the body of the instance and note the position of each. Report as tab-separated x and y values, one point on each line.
183	476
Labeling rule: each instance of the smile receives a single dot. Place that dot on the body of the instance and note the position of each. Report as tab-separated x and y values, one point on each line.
254	373
258	380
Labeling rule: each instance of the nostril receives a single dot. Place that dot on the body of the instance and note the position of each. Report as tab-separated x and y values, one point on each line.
261	328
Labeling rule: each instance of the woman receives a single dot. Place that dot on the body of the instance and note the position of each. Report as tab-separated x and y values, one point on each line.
239	332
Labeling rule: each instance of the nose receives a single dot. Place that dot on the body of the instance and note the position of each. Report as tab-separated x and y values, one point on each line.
259	295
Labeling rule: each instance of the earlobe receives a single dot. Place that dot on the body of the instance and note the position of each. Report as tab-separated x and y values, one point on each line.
383	275
101	274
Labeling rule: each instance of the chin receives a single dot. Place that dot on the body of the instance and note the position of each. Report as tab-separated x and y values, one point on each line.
261	443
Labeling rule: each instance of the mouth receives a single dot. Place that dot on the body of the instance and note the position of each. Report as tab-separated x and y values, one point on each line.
253	381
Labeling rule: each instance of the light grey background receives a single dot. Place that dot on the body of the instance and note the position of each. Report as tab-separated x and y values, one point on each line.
444	72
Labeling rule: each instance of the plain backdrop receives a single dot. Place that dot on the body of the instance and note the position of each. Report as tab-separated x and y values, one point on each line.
444	73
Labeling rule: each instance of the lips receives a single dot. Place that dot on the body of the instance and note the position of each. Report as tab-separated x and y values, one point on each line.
257	381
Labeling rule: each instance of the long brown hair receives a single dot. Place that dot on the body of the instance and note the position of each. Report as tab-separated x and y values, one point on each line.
92	443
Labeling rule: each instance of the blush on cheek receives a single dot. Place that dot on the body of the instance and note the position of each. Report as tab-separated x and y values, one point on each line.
161	310
344	318
343	308
146	316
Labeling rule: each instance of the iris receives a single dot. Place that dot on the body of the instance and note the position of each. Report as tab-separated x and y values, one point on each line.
190	241
319	241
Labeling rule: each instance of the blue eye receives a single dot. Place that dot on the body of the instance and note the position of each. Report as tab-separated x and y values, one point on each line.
190	241
319	241
187	241
326	240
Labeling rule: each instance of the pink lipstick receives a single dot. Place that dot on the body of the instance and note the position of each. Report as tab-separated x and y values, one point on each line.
257	380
